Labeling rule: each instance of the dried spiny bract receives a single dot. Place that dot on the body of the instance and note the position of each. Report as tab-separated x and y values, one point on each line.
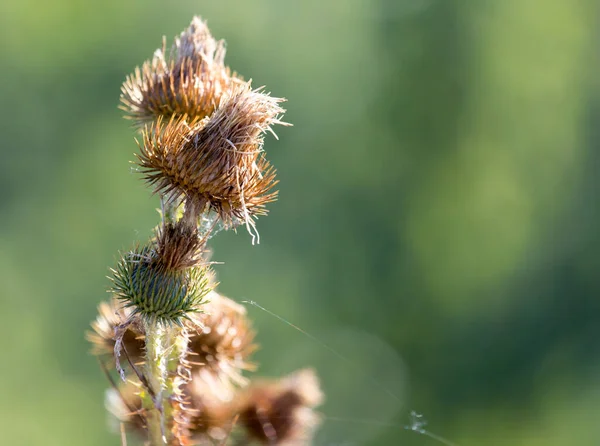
281	412
197	43
156	293
179	246
189	80
217	161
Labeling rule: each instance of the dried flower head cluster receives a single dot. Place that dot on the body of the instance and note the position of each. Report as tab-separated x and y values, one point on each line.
216	162
275	412
179	347
214	400
202	128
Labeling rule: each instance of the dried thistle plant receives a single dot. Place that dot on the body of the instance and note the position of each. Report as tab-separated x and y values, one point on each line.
179	347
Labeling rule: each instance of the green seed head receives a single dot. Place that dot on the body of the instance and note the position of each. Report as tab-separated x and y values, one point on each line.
155	292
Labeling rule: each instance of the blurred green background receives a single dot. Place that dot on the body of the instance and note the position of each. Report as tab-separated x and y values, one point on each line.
438	222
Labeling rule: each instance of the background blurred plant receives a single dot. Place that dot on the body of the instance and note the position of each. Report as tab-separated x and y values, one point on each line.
202	150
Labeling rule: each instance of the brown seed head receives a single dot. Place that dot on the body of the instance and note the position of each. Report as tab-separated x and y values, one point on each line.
189	79
218	160
281	412
220	346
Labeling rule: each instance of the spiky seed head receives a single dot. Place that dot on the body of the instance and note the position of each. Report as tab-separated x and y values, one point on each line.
218	160
281	411
156	293
189	79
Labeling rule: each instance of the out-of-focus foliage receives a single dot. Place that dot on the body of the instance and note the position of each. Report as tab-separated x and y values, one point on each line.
438	223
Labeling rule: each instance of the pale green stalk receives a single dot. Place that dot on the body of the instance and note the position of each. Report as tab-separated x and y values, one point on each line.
165	346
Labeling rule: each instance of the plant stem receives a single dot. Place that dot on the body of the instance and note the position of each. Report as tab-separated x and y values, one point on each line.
155	373
165	347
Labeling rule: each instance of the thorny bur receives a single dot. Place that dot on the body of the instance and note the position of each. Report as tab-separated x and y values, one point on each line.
180	347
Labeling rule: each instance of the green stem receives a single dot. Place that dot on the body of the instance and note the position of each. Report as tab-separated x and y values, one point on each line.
155	377
165	346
